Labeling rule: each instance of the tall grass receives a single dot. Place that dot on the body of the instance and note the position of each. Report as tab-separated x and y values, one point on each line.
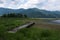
33	34
26	33
8	24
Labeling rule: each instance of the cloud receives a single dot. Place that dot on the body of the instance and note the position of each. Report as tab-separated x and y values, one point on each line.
51	5
41	4
31	4
1	2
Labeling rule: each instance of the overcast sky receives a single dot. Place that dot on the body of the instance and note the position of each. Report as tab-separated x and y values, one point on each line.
41	4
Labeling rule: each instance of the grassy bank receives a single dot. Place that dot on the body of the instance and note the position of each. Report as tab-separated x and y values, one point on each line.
33	34
40	31
8	24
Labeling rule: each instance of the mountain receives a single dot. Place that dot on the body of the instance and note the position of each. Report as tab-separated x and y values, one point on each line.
32	12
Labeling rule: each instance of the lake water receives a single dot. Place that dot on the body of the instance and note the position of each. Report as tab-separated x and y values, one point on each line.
55	21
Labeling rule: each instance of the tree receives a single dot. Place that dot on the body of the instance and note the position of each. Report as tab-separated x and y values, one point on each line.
25	16
19	15
15	15
4	15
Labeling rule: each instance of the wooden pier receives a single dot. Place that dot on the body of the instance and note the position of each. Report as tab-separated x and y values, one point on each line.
20	27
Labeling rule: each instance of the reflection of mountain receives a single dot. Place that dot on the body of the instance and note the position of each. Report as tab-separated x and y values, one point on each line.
32	12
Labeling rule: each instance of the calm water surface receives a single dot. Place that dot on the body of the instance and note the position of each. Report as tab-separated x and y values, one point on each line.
55	21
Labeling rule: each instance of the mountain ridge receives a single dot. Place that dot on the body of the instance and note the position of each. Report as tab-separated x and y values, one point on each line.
32	12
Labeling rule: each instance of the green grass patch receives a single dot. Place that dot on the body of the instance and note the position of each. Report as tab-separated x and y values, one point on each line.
7	24
33	34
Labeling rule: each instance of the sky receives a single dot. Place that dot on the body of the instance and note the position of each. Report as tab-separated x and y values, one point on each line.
41	4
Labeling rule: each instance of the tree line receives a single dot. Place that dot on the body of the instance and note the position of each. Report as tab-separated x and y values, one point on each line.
15	15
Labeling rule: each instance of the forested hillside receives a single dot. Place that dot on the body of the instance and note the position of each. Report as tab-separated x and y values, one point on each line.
32	12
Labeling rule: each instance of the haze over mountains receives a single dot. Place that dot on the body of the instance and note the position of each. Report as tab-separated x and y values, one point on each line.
32	12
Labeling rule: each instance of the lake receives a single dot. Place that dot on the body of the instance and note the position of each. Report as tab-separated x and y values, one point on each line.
55	21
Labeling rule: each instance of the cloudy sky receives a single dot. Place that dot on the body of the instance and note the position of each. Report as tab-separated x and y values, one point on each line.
41	4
